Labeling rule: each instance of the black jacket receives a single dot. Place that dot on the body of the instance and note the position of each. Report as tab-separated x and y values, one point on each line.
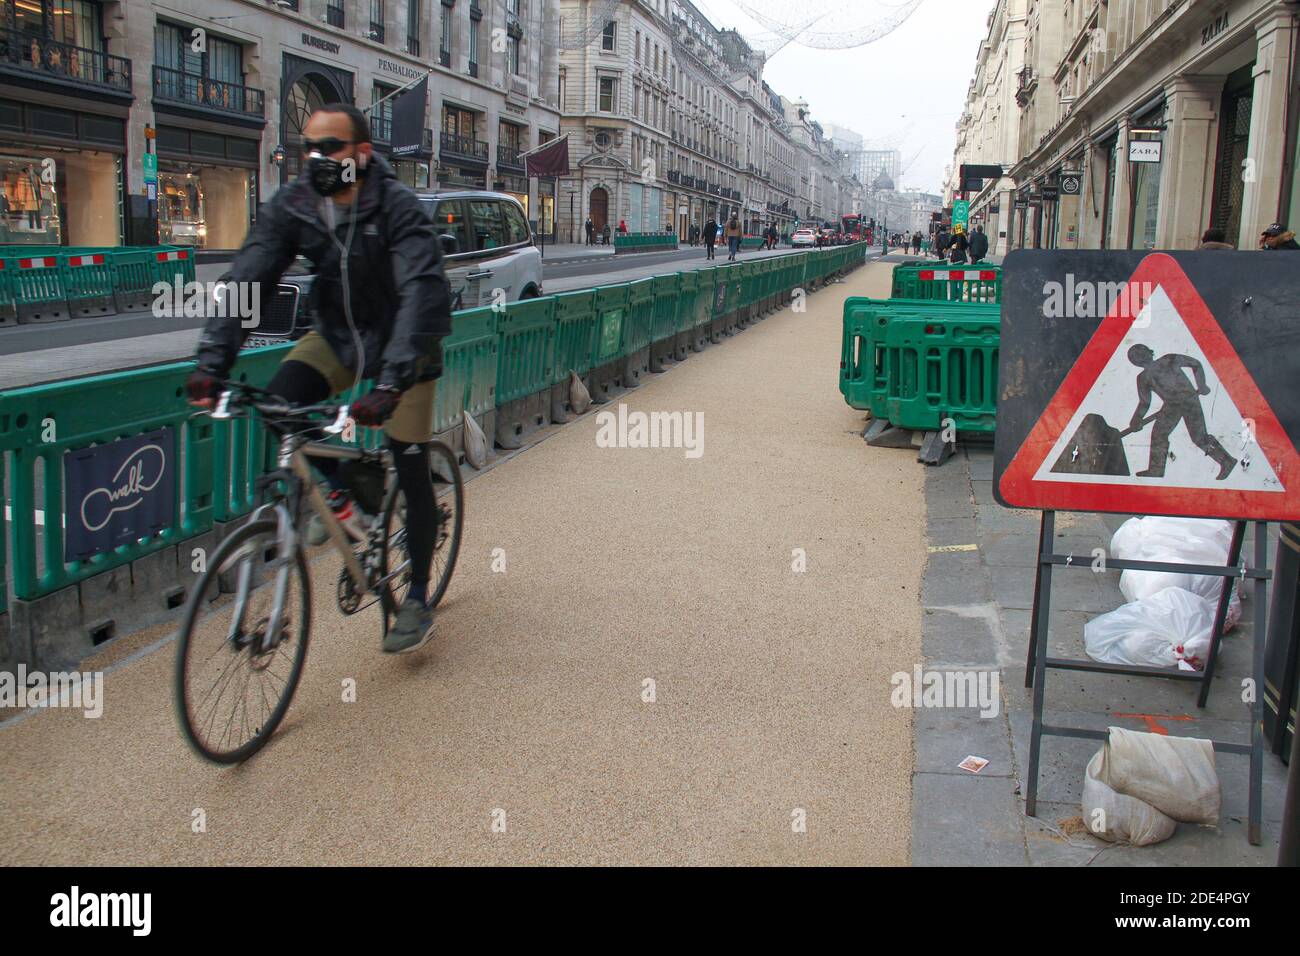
979	246
401	302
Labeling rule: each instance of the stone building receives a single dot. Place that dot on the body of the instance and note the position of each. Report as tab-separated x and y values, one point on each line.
1145	122
217	92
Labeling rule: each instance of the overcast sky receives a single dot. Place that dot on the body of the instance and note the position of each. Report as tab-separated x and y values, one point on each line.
905	89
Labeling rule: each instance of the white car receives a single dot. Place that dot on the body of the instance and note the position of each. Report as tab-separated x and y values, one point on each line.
804	237
486	246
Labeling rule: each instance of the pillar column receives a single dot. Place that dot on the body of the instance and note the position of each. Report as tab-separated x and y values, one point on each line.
1187	160
1121	204
1268	127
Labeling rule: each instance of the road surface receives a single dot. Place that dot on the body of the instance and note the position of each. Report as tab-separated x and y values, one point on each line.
771	687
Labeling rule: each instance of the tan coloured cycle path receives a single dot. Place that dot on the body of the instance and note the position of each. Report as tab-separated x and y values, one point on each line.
771	687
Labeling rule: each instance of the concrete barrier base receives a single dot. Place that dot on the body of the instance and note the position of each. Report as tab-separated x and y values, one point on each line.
517	420
634	368
39	312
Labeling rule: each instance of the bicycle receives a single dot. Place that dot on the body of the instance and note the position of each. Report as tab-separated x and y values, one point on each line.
258	574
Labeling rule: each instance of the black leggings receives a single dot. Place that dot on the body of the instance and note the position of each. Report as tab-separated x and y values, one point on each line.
300	384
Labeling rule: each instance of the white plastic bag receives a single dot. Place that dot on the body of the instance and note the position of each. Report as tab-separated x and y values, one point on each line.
1175	775
1172	627
1178	540
1117	817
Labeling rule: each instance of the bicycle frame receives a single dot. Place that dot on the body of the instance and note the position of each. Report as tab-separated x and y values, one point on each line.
293	461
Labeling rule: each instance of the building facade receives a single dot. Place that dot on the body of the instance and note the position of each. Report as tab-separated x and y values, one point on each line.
1145	122
125	121
670	124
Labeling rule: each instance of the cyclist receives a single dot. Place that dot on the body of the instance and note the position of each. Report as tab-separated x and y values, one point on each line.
380	305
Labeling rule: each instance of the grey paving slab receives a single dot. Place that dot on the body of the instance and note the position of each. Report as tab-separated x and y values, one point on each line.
946	737
966	821
965	639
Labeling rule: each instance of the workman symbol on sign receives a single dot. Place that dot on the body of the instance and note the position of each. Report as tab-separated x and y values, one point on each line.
1165	378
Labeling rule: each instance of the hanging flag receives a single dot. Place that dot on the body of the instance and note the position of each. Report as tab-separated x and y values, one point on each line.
408	119
549	160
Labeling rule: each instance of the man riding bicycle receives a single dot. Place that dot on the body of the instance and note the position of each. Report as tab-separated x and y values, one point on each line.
380	305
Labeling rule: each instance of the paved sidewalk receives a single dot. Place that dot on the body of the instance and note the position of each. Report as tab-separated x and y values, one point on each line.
977	614
771	699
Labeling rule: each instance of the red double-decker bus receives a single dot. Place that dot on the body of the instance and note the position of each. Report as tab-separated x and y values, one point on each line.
852	227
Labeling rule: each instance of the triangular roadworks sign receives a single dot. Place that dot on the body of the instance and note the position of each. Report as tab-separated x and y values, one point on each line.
1158	416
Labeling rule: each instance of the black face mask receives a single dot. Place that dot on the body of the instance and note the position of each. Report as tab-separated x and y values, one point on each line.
326	174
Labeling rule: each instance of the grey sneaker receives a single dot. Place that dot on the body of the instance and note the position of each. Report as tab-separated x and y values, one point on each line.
412	629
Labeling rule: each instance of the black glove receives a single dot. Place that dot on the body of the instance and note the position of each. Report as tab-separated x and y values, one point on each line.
202	386
375	407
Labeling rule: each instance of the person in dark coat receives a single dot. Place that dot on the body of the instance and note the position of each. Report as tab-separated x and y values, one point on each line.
710	238
979	244
957	246
590	229
380	307
941	244
1278	236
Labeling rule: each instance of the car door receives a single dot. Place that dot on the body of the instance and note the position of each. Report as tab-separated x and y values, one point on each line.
449	217
525	259
492	244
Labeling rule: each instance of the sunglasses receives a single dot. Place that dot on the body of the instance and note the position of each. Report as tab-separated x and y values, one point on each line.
327	146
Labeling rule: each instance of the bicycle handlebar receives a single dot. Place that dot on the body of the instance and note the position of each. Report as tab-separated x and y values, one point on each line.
243	394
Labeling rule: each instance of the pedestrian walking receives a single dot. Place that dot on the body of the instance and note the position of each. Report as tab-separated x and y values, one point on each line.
941	244
733	234
622	227
710	238
979	244
590	228
605	234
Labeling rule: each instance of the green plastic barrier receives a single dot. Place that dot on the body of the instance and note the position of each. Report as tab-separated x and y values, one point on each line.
917	363
667	291
611	311
88	281
688	307
133	279
8	307
469	368
641	310
526	352
979	284
171	262
39	285
575	331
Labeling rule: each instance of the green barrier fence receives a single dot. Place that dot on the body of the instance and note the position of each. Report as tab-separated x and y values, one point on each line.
575	320
489	359
977	284
643	241
526	350
917	363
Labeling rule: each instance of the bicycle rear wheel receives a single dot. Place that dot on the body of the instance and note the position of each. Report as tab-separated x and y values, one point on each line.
449	493
232	691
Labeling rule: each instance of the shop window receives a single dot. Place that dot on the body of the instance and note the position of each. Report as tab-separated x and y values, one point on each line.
29	209
1234	145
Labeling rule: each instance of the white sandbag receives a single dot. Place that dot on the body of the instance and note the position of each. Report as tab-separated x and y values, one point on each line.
1170	627
1179	541
1175	775
1117	817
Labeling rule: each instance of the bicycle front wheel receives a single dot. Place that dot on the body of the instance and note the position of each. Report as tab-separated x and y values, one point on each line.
234	683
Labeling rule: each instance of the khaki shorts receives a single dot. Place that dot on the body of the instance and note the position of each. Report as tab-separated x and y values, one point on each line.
413	419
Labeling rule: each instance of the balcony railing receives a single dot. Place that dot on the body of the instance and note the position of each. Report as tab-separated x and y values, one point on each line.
41	56
381	128
674	177
190	89
444	58
509	156
376	31
464	147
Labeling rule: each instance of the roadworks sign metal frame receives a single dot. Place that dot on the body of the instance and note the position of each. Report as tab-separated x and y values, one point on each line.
1128	386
